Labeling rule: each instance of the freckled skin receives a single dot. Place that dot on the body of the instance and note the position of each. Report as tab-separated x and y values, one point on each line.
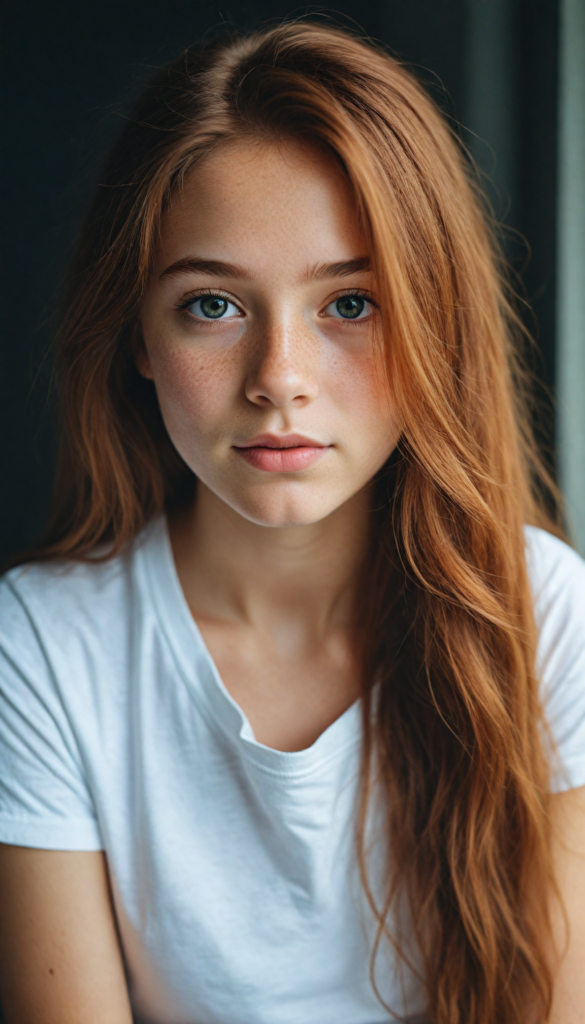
280	364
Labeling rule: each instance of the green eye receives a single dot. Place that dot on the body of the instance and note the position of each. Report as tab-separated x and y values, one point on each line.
350	307
212	307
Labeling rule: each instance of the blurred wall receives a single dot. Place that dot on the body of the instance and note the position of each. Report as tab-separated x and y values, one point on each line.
571	263
72	69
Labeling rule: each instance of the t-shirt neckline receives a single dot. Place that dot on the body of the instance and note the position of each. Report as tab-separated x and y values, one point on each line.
201	675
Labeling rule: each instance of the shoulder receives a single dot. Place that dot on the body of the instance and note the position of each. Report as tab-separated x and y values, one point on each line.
66	643
71	636
58	598
47	612
58	587
557	571
68	628
557	575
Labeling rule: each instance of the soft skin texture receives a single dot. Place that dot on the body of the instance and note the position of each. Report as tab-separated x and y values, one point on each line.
568	818
60	962
268	561
279	364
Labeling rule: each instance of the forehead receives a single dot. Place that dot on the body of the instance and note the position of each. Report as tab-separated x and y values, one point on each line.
283	201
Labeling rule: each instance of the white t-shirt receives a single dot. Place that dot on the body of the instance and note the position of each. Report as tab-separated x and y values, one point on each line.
232	864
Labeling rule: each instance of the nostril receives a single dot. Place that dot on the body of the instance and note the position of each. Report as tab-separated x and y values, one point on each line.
278	383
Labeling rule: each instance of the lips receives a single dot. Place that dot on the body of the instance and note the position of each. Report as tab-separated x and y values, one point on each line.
288	453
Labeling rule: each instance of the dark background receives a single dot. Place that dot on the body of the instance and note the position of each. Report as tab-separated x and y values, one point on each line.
72	69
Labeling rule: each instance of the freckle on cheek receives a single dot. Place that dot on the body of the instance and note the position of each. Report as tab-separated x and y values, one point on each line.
193	390
179	375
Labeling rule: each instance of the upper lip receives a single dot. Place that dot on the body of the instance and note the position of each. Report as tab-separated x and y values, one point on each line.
282	441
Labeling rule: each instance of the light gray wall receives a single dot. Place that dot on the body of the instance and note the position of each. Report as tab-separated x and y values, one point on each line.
491	100
571	266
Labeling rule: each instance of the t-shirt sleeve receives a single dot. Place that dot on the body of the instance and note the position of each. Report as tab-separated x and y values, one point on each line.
44	798
558	581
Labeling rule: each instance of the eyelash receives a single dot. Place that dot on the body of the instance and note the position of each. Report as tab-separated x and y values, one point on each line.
358	293
355	293
200	294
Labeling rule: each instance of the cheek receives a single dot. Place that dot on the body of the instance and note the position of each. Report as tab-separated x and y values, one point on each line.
358	385
192	390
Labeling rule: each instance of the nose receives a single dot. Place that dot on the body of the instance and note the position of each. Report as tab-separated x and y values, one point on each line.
283	368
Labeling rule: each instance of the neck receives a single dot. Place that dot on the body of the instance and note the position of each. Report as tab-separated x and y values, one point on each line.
235	570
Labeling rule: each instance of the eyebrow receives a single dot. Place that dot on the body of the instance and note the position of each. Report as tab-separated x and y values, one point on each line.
197	265
323	271
217	268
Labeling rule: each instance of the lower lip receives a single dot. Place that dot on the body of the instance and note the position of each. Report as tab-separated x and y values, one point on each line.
282	460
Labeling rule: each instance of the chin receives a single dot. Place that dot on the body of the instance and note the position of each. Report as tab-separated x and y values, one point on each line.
282	511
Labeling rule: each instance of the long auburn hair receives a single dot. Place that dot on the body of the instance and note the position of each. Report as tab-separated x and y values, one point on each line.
453	736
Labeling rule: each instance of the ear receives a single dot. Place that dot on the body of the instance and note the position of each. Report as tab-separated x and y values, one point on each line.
138	349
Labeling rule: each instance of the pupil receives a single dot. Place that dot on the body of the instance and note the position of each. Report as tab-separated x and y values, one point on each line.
350	306
213	306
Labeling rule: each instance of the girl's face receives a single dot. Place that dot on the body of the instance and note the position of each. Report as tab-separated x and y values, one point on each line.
258	333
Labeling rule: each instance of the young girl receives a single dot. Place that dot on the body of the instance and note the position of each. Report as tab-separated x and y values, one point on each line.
288	689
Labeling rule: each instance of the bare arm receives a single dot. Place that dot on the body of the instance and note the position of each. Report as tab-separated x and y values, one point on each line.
569	850
60	961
